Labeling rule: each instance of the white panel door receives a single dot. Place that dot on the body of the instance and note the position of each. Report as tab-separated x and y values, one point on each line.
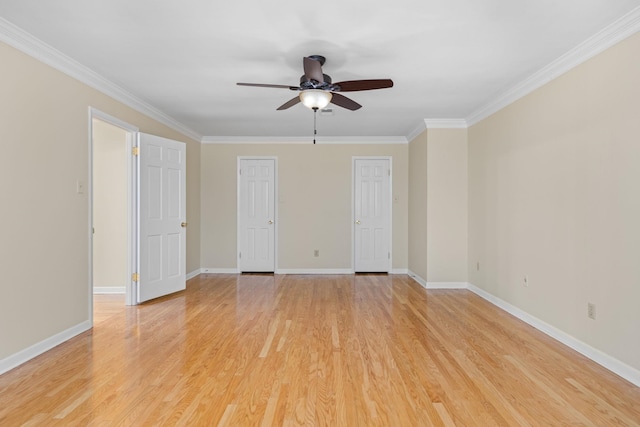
372	215
162	198
256	215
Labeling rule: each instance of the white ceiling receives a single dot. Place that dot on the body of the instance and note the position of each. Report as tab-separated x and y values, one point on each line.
447	58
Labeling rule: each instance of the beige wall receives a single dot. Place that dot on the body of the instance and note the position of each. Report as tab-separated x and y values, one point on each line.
44	251
418	206
314	202
447	206
110	205
554	195
438	207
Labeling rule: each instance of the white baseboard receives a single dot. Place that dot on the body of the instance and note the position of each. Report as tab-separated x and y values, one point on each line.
417	278
447	285
614	365
437	285
219	270
193	274
314	271
37	349
289	271
109	290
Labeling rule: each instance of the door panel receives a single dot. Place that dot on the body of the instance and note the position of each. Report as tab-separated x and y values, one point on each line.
256	215
161	214
372	210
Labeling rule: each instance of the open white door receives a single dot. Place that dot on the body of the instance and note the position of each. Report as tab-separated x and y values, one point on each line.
162	220
256	215
372	215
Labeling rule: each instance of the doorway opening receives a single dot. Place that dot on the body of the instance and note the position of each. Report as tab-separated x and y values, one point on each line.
112	207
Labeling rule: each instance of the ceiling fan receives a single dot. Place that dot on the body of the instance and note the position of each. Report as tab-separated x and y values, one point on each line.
317	90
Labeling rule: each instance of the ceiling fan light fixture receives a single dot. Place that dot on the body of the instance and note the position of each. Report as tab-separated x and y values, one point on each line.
315	98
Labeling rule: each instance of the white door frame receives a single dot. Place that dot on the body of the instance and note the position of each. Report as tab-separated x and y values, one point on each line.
353	207
132	205
275	207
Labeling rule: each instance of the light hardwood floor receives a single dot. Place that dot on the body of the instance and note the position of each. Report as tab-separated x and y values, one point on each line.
364	350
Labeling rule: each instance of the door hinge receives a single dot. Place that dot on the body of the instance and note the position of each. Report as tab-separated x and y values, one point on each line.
240	255
135	151
240	171
389	172
135	277
389	255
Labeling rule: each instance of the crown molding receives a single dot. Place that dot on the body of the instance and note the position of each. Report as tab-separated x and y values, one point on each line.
445	123
437	124
417	131
18	38
305	140
604	39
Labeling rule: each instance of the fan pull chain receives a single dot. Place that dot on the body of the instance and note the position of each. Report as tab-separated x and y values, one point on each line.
315	132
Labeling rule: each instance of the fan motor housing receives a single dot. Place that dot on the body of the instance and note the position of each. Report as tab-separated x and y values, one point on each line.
312	84
321	59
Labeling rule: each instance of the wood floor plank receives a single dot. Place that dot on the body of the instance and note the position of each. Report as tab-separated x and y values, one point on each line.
341	350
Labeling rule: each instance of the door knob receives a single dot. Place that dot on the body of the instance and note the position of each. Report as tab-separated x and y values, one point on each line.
270	222
183	224
358	221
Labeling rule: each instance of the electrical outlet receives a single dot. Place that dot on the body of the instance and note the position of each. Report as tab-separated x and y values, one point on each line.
316	253
591	311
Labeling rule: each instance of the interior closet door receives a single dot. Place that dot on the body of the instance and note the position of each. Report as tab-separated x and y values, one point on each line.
372	215
256	215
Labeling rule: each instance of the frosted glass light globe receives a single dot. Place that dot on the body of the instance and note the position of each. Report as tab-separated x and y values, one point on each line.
315	98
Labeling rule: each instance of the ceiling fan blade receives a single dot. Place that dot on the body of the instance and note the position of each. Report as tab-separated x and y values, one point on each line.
313	69
267	85
355	85
345	102
289	103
